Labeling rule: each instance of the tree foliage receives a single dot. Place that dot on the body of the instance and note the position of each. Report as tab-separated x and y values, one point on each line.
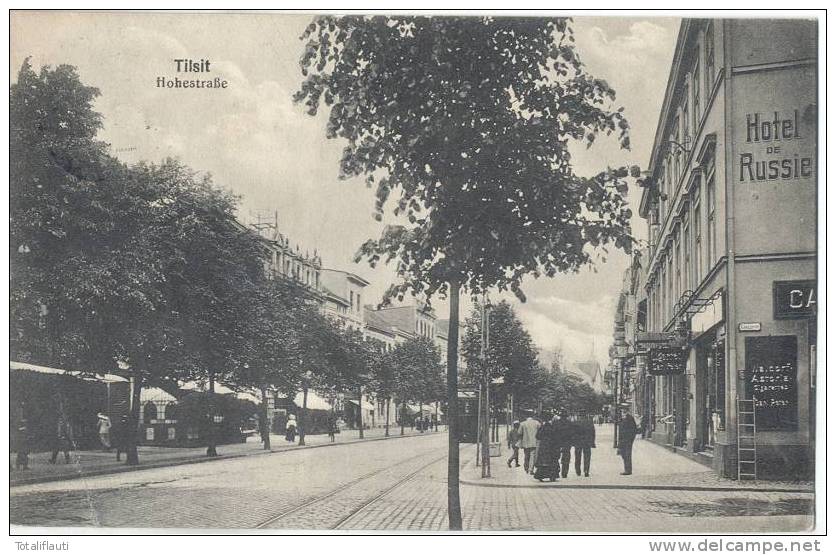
418	371
511	353
464	125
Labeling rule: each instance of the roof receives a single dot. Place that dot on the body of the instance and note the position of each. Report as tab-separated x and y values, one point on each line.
89	376
401	317
375	321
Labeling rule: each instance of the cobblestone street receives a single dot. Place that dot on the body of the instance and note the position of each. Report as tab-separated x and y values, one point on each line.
401	485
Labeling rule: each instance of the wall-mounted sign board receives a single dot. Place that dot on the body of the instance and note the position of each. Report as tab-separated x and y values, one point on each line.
666	360
749	326
794	299
771	380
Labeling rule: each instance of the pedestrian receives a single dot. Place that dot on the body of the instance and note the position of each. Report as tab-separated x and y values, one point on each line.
20	444
63	438
643	426
103	426
119	436
564	432
584	442
548	450
333	427
627	430
514	436
528	440
290	429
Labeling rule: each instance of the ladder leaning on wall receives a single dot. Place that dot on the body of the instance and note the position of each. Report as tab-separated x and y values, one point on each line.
747	465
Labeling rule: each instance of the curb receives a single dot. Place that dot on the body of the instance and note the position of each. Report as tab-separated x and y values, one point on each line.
184	461
636	487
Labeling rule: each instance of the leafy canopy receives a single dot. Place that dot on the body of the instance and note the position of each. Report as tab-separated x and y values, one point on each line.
464	126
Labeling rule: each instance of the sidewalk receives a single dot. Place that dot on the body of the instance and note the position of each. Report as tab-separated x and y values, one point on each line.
95	463
654	467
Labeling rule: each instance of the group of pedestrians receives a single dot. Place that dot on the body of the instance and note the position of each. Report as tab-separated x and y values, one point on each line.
548	443
61	438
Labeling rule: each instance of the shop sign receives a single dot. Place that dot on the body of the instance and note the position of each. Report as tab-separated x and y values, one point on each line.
794	299
771	381
749	326
772	142
666	360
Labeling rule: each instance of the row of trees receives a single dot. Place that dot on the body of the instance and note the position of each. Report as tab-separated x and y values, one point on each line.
145	268
511	360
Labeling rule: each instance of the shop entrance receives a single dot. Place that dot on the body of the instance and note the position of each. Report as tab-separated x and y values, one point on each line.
710	374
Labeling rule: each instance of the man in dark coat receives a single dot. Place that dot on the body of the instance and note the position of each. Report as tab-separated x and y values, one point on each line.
564	430
584	442
627	430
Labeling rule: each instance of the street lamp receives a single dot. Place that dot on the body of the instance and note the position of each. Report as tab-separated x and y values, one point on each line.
303	416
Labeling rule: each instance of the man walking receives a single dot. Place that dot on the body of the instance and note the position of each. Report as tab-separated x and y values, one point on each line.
514	436
528	440
564	430
584	443
627	430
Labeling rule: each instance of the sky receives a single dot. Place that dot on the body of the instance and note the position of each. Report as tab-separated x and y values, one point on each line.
256	142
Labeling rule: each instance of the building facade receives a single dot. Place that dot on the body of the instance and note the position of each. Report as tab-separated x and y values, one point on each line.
730	204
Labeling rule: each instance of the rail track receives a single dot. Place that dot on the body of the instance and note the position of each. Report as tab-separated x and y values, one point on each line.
323	500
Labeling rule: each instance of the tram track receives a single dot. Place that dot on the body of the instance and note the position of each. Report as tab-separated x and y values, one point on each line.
319	500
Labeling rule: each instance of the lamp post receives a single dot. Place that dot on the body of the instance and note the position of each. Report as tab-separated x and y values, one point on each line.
485	428
303	416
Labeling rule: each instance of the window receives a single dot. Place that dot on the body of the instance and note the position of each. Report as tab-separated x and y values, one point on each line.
686	121
351	295
697	238
671	299
677	262
695	86
358	302
149	412
171	411
709	58
686	256
710	197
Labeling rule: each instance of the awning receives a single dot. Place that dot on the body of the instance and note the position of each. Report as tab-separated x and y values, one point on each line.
155	394
107	378
221	389
366	404
315	402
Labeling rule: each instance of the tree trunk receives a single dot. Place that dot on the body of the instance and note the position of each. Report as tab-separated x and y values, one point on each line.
360	409
454	508
403	414
131	453
388	402
265	420
211	449
303	416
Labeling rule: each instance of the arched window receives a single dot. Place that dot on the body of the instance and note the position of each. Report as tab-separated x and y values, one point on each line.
149	411
171	411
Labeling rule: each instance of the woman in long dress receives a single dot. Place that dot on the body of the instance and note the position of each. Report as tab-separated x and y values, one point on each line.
548	452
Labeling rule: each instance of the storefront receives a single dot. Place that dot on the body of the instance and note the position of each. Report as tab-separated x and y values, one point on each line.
730	204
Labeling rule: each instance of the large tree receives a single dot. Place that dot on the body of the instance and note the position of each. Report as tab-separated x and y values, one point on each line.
464	124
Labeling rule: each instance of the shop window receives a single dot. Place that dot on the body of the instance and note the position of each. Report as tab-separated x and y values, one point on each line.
149	434
172	433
